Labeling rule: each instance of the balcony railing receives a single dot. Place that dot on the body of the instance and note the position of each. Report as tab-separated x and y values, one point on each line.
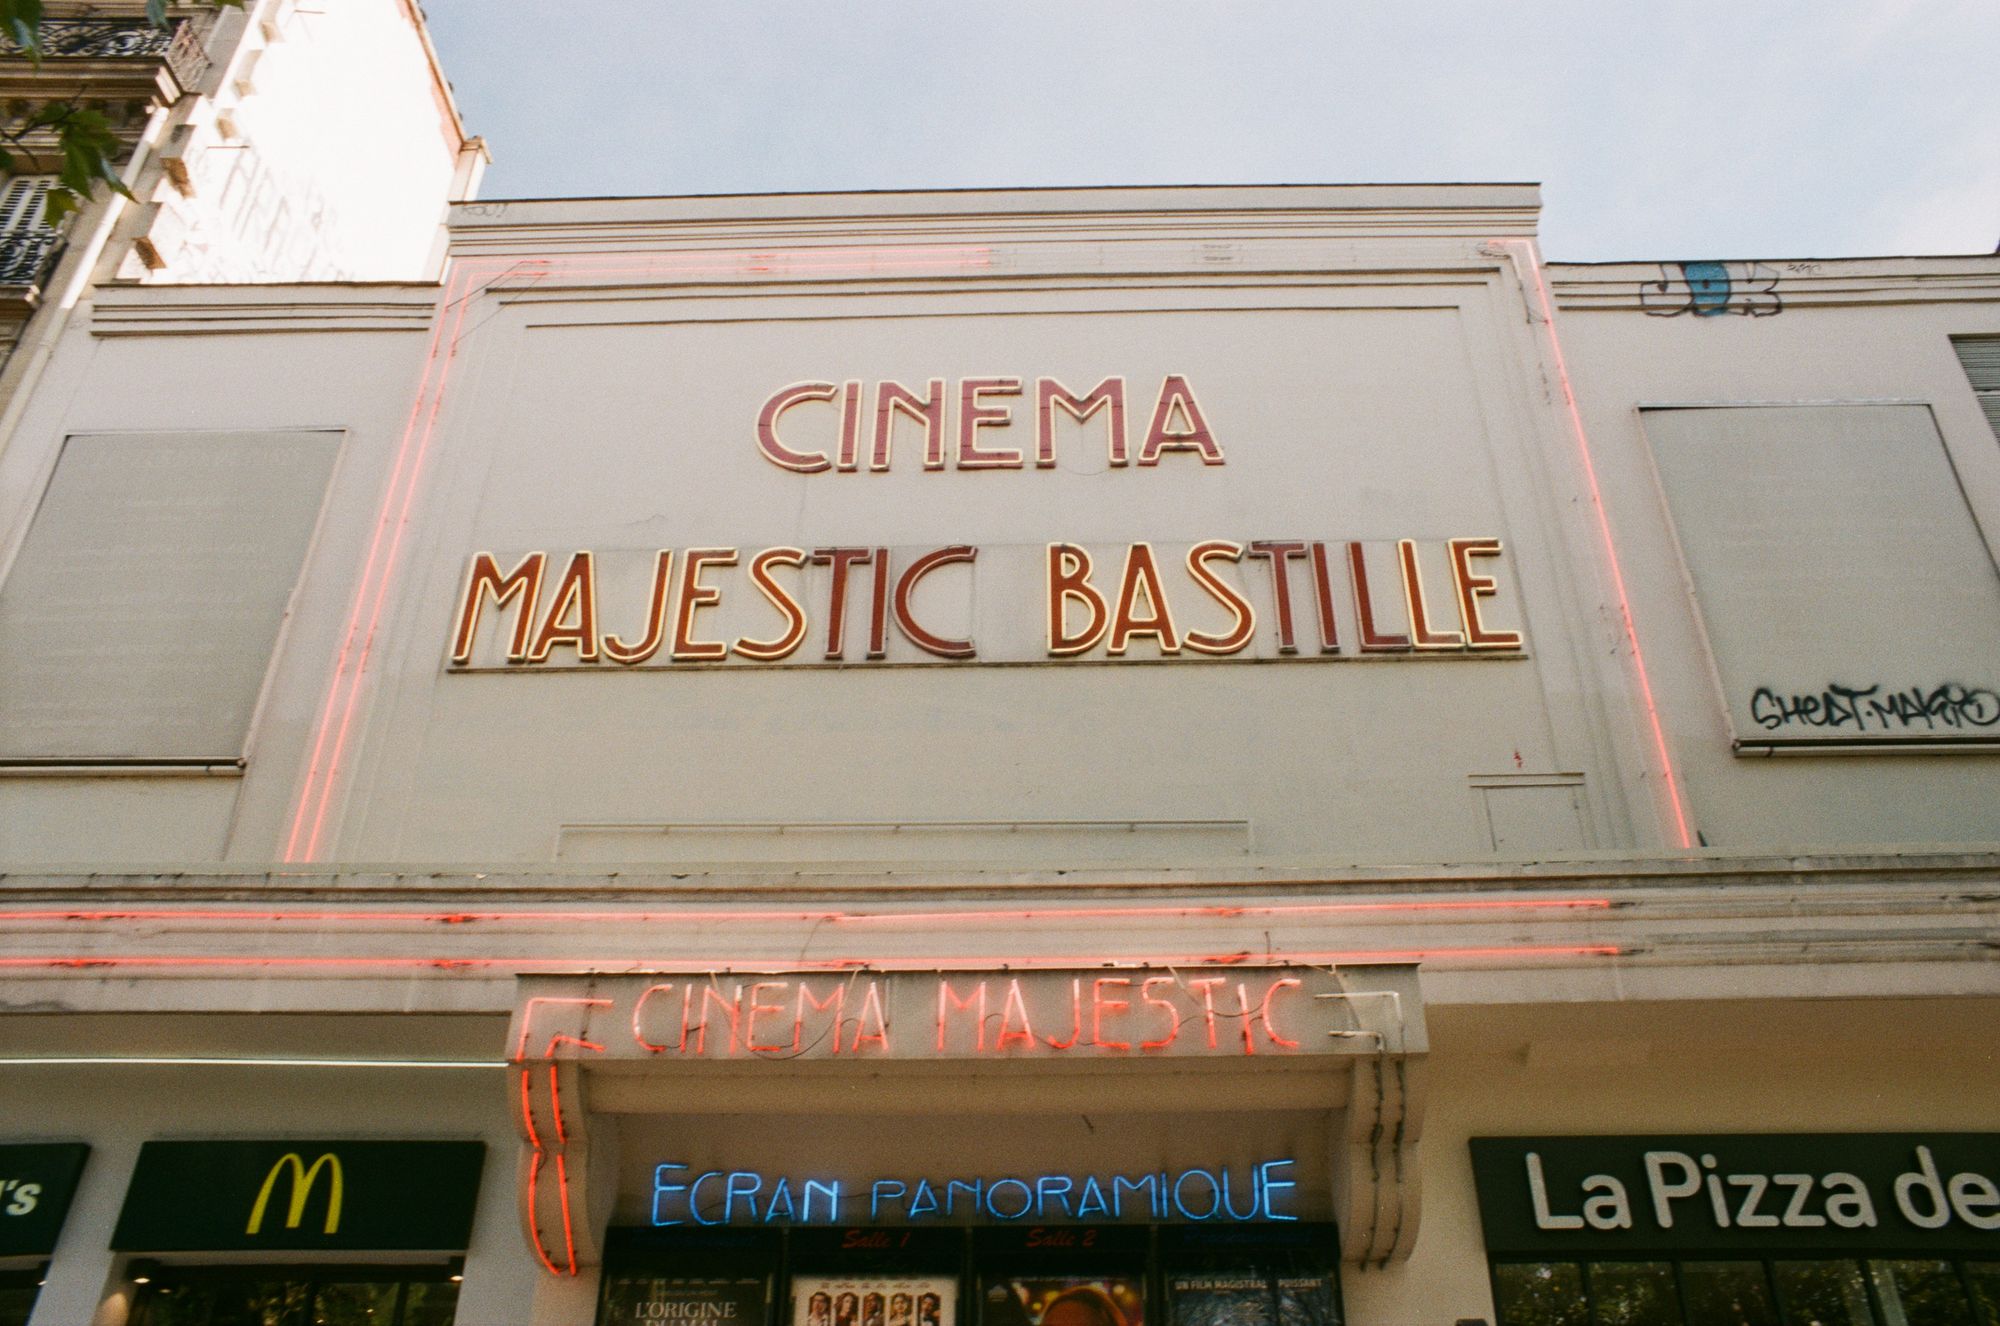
27	255
179	44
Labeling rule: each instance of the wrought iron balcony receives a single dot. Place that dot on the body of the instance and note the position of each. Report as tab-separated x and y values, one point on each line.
27	255
179	45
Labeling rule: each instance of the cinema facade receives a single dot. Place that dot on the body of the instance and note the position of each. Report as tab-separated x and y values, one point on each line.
1046	758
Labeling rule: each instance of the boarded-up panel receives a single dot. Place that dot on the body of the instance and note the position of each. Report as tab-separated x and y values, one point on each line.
1847	592
138	621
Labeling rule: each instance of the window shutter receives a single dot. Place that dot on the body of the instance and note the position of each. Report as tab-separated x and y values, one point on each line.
1981	357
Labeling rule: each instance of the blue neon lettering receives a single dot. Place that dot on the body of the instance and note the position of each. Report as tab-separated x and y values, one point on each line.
694	1197
731	1191
750	1196
880	1188
831	1191
1230	1210
1120	1184
661	1189
972	1188
1214	1190
1270	1185
993	1191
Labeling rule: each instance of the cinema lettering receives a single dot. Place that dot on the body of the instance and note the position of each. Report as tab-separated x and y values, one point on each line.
1830	1192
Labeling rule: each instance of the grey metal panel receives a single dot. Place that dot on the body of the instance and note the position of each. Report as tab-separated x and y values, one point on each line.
1846	591
139	618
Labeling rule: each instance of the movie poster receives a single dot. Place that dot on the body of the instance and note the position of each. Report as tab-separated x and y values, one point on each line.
874	1300
1250	1299
653	1300
1072	1300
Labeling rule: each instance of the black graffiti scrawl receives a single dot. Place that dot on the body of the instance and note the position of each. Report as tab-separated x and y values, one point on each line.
1947	708
1711	289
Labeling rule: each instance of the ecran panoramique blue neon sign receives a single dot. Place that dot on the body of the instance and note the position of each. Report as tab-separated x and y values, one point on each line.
741	1196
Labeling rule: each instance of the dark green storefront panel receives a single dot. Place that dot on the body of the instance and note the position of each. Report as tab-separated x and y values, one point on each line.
300	1196
37	1181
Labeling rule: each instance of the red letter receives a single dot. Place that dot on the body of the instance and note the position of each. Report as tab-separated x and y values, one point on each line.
1069	578
1207	986
972	416
850	427
766	651
892	398
524	580
948	999
1329	637
804	462
1471	589
1013	1006
906	585
1264	1011
871	1003
1075	1017
1142	575
1049	393
838	1004
1173	1015
1372	640
638	1009
1224	593
750	1020
577	591
1176	395
1281	586
656	618
1425	635
836	604
1098	1005
694	597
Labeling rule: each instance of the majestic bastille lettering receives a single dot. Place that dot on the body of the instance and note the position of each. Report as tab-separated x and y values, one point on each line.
1255	598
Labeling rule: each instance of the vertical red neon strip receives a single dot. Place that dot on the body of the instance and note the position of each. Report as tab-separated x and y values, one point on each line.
343	692
1534	266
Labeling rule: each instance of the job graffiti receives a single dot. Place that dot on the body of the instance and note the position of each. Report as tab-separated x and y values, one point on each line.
1835	707
1711	289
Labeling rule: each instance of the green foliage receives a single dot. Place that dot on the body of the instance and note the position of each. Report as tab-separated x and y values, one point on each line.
90	150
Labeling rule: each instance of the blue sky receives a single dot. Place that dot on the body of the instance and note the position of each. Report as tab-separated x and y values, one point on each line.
1669	129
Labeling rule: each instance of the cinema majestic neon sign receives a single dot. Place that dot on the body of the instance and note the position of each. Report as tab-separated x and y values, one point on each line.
684	1196
1234	1012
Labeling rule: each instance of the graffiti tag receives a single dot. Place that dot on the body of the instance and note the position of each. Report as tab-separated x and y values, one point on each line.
1711	289
1871	709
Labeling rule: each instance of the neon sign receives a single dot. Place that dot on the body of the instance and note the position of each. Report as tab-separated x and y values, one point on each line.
1096	1013
683	1195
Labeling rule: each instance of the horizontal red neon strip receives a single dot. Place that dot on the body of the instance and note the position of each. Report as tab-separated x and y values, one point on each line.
887	964
984	915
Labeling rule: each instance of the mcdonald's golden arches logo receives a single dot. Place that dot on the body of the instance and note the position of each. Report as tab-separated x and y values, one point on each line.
302	1185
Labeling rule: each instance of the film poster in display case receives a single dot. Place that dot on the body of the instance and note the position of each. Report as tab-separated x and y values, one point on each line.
1063	1300
874	1300
1252	1299
660	1300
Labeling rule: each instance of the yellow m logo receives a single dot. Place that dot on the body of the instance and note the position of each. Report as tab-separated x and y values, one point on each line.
302	1183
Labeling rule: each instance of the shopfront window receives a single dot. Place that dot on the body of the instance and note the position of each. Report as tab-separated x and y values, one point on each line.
1830	1292
1125	1275
17	1296
297	1296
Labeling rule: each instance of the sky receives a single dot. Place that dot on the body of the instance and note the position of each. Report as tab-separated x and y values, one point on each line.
1658	129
